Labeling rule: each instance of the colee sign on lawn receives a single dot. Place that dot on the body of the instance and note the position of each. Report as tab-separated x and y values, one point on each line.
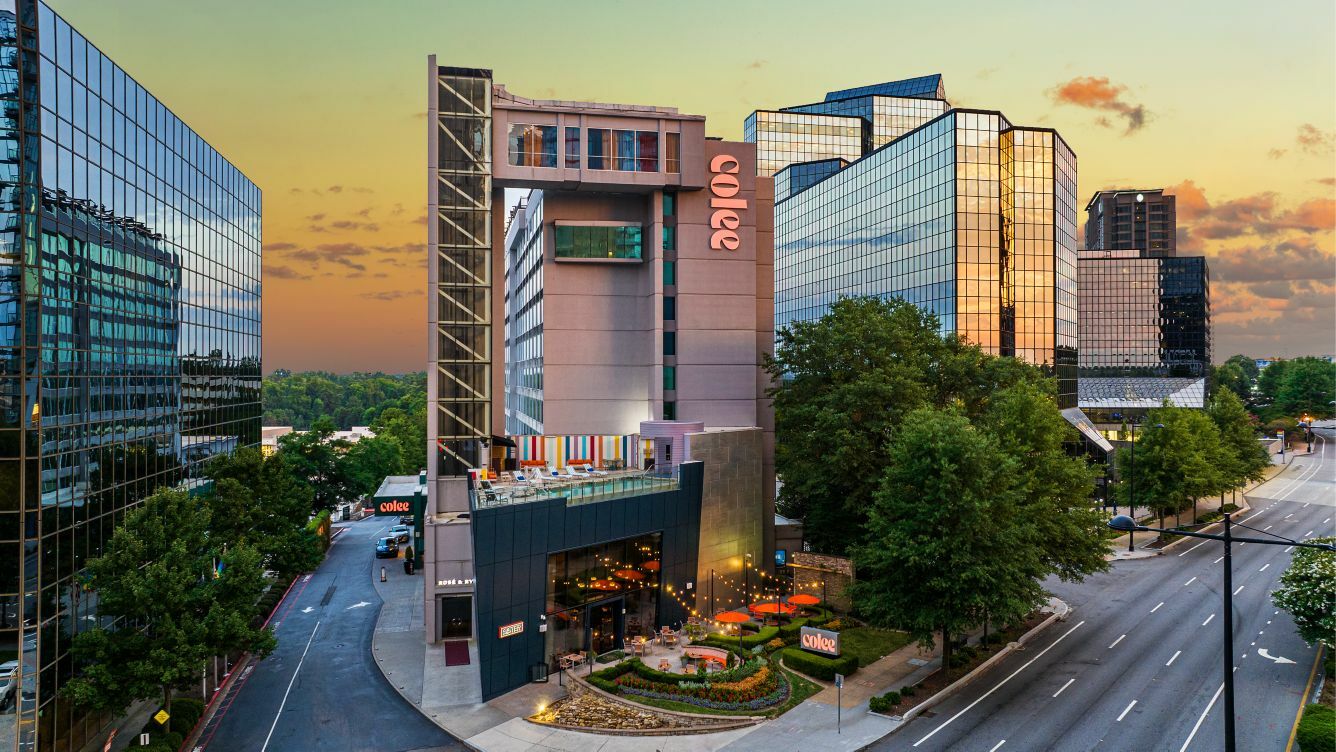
724	200
821	641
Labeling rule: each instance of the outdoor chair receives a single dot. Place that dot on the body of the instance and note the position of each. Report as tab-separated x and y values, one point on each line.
591	470
571	472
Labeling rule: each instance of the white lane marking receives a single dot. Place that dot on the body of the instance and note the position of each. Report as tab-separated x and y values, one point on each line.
1210	705
1208	620
1217	561
1173	658
1310	532
1126	710
1157	608
1068	684
1189	582
997	746
998	686
1268	527
1326	521
1194	548
1115	642
1264	566
1291	514
292	681
1289	549
1237	589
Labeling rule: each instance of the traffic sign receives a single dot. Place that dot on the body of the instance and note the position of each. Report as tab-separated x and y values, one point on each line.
839	680
161	717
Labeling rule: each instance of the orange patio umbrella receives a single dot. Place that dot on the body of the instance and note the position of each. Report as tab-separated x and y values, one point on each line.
629	574
733	617
803	599
771	607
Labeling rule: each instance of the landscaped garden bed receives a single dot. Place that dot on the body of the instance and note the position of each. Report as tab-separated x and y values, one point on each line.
750	685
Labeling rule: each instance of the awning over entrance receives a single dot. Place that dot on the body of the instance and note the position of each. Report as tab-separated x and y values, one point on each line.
1086	428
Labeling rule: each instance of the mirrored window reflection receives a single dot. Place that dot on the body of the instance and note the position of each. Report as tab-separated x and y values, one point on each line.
533	145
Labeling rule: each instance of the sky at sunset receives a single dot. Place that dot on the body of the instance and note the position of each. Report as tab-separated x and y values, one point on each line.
323	104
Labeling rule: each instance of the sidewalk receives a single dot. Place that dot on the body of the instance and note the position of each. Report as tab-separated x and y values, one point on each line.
442	693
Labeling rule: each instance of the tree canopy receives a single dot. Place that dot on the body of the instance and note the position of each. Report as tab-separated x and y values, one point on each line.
298	400
257	501
1308	591
174	597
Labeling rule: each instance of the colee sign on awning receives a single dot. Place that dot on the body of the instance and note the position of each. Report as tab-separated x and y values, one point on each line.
821	641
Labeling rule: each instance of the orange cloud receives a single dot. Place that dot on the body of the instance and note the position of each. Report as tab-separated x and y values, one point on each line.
1315	141
1191	203
1098	93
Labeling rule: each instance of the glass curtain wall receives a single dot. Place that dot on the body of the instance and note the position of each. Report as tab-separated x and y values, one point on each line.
138	355
582	583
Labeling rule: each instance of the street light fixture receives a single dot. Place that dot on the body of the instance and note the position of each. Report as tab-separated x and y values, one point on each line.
1126	524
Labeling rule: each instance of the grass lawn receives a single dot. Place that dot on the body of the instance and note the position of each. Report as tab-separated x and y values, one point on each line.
871	643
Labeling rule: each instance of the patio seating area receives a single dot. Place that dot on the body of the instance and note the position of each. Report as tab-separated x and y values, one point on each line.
576	483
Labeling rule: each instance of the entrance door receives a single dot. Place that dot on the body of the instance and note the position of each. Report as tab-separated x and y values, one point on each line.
605	626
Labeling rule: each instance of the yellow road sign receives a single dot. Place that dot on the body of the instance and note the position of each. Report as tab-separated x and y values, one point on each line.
161	717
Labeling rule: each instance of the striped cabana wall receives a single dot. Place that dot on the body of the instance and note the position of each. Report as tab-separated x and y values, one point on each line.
598	449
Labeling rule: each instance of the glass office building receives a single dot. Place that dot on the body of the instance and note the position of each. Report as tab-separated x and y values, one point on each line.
129	335
969	216
846	125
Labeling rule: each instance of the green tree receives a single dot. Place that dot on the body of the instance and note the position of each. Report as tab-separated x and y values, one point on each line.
1308	386
1173	461
1244	458
1269	381
1245	364
1053	486
177	599
844	382
946	544
314	458
300	399
256	501
1308	591
369	460
410	429
1232	378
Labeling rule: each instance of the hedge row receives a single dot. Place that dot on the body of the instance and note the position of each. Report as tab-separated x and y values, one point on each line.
818	666
748	641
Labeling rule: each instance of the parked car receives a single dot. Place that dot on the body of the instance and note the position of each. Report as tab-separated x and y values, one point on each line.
7	682
406	520
387	548
401	533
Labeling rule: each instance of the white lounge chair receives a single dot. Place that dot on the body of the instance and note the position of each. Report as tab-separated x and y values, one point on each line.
571	472
590	469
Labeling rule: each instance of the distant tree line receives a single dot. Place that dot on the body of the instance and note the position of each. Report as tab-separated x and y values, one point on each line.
357	399
1281	392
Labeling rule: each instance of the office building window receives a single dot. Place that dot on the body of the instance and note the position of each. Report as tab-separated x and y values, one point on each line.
577	242
626	151
670	203
600	149
670	410
533	145
670	272
573	147
669	238
669	308
669	378
670	343
671	152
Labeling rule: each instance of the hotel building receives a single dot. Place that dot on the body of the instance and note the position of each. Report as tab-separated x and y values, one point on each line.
1132	219
129	335
966	214
618	316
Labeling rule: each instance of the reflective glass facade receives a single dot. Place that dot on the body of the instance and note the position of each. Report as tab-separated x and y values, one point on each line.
968	216
129	333
801	175
1144	316
524	318
931	87
783	138
888	118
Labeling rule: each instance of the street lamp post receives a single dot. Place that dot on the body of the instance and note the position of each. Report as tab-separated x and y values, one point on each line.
1127	524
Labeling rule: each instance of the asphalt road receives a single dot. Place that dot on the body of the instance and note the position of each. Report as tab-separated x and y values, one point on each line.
1137	665
320	689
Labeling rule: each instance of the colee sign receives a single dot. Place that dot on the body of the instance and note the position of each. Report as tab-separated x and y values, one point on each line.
724	200
821	641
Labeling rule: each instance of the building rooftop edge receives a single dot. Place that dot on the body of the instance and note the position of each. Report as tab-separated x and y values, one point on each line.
499	92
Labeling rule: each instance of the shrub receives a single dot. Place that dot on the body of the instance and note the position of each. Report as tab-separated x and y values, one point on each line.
819	666
883	703
186	712
1317	729
610	687
833	625
908	690
775	644
748	641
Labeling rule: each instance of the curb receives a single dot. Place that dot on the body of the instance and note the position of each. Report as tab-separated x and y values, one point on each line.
1246	506
1060	612
375	633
